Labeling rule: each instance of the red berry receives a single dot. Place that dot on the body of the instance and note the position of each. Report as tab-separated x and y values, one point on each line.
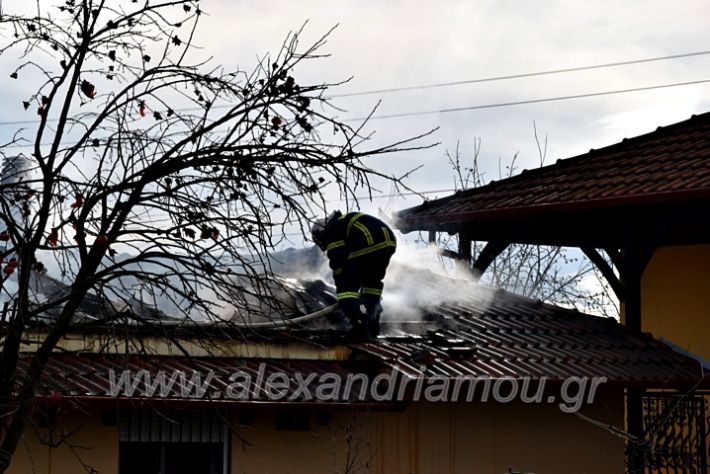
88	89
53	237
78	202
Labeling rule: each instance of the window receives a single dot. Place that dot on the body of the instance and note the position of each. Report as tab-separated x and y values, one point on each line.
174	442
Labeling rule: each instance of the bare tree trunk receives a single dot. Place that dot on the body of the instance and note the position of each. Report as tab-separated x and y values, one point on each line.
166	189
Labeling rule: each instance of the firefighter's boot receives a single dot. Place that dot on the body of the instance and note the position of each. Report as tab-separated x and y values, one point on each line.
373	318
359	331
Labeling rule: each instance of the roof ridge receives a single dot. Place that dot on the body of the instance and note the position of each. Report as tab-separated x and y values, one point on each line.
566	162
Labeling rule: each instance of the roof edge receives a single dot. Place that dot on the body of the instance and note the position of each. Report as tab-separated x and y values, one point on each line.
410	224
401	216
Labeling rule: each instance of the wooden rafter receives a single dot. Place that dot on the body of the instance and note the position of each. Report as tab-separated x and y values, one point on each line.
616	284
487	255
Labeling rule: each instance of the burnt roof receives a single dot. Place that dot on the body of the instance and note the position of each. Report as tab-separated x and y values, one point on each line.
668	166
485	331
474	331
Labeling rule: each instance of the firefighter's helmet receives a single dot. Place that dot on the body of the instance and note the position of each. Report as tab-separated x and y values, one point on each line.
318	228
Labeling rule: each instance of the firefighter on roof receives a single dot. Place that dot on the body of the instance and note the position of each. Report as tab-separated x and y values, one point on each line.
359	248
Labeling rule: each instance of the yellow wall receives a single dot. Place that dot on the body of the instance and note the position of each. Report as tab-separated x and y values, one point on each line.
675	297
491	438
94	444
424	438
441	438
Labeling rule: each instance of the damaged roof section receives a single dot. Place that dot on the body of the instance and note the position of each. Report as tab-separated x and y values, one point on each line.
475	331
482	331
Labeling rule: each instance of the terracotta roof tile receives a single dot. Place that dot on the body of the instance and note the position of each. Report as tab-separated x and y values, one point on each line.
482	331
666	164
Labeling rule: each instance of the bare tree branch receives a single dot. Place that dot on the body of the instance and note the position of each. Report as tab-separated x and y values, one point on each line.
155	179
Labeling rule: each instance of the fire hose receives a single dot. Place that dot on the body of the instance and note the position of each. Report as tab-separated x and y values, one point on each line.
287	322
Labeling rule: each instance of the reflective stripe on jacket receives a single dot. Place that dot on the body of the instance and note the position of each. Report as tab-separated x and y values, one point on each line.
354	235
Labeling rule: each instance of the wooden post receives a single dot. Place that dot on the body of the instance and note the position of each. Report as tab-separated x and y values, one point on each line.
634	425
464	260
631	271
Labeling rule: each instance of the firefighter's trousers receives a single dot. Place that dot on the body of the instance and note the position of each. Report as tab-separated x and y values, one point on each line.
360	282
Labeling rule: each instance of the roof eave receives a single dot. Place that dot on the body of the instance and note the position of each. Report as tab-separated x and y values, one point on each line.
407	220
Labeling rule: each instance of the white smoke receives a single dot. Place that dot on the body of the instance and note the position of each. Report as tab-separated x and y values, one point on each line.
419	279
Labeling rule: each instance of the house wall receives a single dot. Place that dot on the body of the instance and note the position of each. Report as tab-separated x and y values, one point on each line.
675	297
492	438
424	438
92	443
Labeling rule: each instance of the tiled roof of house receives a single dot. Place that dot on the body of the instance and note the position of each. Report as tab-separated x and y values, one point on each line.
475	331
670	164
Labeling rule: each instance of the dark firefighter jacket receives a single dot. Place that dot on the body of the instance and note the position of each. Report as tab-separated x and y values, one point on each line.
355	235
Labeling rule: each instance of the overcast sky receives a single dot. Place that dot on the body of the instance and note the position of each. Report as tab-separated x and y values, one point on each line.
386	44
408	43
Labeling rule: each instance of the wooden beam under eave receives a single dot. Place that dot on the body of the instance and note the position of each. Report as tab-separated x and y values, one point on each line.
463	261
616	257
606	269
487	256
465	241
